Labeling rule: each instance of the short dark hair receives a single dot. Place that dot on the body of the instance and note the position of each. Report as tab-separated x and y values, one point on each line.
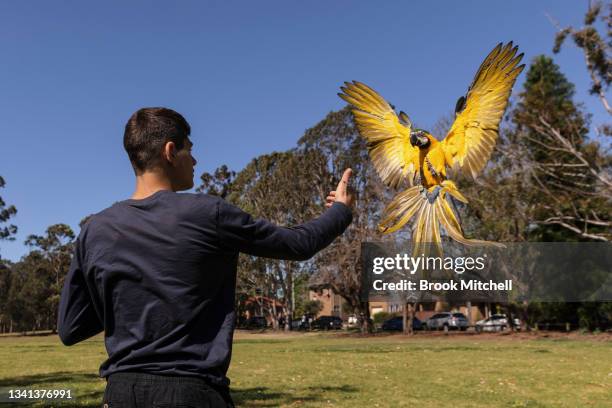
146	133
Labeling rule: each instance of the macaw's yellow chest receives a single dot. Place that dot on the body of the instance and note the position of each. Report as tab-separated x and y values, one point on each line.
432	163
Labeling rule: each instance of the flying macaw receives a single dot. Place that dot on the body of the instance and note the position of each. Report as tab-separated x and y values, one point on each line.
403	155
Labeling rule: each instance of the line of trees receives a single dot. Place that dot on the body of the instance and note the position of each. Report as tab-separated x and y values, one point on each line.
551	177
30	288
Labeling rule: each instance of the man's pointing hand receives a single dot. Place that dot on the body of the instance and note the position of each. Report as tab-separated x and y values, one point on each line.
342	192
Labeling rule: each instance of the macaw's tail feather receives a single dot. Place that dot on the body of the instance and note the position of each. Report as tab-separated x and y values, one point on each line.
431	209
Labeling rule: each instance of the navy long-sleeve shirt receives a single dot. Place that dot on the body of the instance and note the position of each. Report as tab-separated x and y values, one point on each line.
158	276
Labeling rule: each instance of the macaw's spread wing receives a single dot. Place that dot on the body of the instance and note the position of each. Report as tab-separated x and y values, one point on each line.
470	141
387	136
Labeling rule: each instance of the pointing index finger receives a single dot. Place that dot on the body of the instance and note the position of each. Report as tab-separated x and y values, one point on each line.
344	181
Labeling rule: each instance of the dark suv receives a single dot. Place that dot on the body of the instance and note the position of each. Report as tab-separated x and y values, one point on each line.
397	323
327	323
256	322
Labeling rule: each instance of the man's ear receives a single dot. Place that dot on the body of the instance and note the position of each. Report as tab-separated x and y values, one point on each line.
169	152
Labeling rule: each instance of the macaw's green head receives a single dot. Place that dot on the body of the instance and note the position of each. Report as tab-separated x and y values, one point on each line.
418	138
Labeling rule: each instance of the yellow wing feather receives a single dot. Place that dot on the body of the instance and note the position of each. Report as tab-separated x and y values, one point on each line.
388	140
471	139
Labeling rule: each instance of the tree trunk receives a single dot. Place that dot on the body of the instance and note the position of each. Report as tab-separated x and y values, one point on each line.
524	315
274	315
409	318
468	305
289	301
364	317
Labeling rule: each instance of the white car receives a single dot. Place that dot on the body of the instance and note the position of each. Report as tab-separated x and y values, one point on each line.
497	322
447	321
352	321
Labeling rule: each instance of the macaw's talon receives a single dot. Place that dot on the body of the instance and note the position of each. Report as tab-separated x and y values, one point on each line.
431	197
424	193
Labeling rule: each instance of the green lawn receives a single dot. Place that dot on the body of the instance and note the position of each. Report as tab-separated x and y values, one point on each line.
317	369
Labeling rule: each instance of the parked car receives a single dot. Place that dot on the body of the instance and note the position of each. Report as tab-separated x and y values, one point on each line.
327	323
447	320
301	324
353	321
256	322
497	322
397	323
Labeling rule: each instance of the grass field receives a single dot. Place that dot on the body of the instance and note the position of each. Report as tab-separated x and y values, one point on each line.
319	369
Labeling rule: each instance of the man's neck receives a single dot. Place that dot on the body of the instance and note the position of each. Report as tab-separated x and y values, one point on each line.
149	183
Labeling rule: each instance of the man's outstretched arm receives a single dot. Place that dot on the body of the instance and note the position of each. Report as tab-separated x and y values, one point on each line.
77	319
238	230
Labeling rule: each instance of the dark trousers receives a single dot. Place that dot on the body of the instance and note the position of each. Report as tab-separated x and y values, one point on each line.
139	390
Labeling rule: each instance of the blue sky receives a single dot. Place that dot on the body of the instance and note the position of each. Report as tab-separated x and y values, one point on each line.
249	76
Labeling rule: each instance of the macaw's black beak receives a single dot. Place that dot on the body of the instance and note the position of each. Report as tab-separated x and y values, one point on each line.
414	141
